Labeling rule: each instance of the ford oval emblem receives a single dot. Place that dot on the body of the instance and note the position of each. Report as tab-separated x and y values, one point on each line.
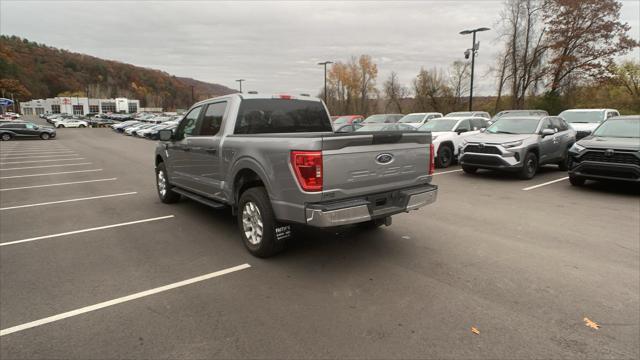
384	158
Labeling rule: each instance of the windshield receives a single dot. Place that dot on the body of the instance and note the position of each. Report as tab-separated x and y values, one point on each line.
459	113
386	127
627	128
436	125
514	126
375	119
342	120
415	118
582	116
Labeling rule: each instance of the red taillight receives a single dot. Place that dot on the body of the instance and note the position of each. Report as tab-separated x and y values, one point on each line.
432	163
286	97
307	166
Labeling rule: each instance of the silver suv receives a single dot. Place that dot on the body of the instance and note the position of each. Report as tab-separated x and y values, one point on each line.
519	144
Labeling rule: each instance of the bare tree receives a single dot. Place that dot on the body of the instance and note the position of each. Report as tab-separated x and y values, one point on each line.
394	92
431	91
459	82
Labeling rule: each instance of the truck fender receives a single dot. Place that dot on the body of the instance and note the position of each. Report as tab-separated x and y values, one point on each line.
245	163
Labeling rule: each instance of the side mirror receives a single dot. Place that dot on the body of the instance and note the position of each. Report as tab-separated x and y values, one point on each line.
460	131
165	135
546	132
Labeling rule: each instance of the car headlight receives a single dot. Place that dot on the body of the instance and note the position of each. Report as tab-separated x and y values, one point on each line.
576	148
511	144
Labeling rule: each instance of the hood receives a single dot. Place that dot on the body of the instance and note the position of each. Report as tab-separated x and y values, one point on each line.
584	126
497	138
600	142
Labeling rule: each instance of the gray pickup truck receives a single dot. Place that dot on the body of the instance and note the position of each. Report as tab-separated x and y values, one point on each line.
276	162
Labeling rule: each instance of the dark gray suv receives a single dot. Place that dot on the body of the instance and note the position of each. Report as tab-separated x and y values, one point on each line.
519	144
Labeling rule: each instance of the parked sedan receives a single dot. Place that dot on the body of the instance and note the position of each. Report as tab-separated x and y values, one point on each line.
611	153
131	130
519	144
71	123
482	114
339	121
449	133
154	134
19	129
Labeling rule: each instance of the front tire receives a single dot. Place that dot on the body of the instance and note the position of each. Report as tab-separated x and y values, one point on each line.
81	126
165	192
445	156
469	169
257	223
529	167
576	181
6	137
44	136
60	126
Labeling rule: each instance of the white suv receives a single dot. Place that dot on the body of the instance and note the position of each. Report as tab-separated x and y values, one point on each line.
584	121
448	134
418	119
72	123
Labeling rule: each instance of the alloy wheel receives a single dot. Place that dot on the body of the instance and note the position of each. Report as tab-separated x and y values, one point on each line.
252	223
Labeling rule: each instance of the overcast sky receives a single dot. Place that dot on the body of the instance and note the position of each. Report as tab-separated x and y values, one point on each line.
273	45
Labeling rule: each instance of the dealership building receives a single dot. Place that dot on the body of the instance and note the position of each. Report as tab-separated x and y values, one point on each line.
79	106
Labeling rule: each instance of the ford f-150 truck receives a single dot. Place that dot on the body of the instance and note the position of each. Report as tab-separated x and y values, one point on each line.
276	162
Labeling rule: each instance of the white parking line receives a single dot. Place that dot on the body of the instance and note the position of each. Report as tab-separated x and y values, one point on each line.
447	172
66	201
58	184
35	156
34	161
545	184
41	148
39	152
45	174
85	230
46	166
121	300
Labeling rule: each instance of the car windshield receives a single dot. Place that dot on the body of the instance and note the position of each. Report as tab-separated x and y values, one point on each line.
436	125
622	128
341	120
386	127
514	126
375	119
415	118
582	116
459	113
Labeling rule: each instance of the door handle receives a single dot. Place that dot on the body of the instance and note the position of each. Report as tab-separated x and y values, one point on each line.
211	151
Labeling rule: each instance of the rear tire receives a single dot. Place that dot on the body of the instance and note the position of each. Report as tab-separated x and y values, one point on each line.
257	223
576	181
81	126
165	192
445	156
60	126
6	137
529	167
44	136
469	169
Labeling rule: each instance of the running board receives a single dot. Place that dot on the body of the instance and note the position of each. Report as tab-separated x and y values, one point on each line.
201	199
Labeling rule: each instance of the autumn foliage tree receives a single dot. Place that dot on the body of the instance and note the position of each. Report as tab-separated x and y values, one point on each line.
351	86
583	37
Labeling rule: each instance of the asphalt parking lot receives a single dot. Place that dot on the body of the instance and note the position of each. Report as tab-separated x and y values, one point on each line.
92	265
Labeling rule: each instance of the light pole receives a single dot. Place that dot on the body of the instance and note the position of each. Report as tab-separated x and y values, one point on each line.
474	49
240	82
325	63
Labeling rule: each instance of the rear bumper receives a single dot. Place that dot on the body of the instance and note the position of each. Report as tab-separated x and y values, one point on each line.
370	207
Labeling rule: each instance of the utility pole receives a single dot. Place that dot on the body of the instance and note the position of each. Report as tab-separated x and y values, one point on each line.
474	50
240	82
192	95
325	63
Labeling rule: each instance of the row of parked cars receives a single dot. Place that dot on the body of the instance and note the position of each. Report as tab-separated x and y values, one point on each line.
147	126
521	141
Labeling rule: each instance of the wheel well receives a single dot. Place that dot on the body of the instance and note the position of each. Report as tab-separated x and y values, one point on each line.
158	160
447	143
245	179
535	151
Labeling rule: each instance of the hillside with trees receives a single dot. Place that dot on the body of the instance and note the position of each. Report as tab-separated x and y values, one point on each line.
31	70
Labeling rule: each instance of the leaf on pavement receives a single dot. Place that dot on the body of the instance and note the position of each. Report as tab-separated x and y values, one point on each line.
591	324
475	331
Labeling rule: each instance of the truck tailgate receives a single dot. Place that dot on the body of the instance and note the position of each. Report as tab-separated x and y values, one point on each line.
365	164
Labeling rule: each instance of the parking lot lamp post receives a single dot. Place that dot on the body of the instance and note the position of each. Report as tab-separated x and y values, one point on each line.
240	82
325	63
474	49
